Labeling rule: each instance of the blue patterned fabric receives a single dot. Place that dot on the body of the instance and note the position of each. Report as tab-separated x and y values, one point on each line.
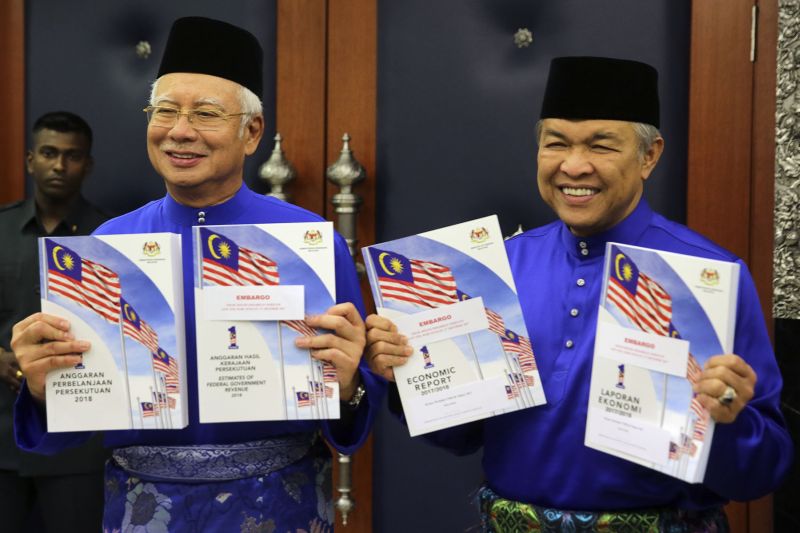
210	462
296	498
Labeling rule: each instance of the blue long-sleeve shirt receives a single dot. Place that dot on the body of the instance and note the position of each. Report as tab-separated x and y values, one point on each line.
167	215
537	455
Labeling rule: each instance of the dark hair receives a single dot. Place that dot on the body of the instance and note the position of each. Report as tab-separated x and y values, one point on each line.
63	122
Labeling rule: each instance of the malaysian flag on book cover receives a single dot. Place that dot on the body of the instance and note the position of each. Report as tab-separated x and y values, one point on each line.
304	399
89	284
328	372
414	281
496	323
134	327
162	399
519	345
171	379
147	409
637	296
161	361
317	389
227	264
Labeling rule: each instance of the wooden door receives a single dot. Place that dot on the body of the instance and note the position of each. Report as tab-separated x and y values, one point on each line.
326	87
731	174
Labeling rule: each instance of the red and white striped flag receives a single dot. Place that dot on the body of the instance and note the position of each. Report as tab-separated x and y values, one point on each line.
496	323
136	328
328	372
637	296
89	284
227	264
300	327
147	409
304	399
423	283
693	370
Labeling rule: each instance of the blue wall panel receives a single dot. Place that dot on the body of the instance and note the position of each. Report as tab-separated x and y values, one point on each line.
80	57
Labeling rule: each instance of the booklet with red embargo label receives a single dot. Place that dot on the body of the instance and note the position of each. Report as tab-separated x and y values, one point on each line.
662	315
450	291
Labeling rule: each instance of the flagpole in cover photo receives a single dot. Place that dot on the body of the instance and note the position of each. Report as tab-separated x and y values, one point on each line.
662	315
254	286
101	284
451	292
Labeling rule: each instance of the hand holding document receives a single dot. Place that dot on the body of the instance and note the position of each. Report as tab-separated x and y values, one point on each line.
662	316
450	295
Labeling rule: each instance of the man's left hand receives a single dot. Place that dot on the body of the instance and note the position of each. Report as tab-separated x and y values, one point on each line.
720	373
342	347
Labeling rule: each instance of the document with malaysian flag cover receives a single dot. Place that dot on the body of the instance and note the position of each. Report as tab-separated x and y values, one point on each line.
662	315
124	294
253	287
450	291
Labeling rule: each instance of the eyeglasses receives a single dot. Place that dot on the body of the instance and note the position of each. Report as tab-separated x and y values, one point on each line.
200	119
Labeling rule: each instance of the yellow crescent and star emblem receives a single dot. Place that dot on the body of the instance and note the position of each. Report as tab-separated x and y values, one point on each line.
129	313
626	272
66	257
395	264
222	250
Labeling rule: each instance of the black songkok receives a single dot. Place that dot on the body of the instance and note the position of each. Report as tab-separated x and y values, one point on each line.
207	46
585	88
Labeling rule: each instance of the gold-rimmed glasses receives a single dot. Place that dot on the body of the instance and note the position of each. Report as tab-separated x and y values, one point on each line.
200	119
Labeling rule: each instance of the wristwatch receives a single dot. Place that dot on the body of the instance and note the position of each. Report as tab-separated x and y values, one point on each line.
354	402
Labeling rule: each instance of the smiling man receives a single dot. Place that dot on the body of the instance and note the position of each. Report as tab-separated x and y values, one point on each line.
204	119
58	162
598	144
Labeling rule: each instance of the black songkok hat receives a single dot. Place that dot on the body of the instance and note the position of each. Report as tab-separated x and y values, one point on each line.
585	88
207	46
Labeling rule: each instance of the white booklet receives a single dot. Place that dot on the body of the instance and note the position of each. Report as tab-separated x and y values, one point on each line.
254	285
662	315
124	294
450	291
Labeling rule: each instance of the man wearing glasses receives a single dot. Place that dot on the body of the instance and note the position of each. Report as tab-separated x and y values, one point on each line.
204	119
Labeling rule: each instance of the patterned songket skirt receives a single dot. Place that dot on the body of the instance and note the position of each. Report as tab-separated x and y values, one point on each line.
499	515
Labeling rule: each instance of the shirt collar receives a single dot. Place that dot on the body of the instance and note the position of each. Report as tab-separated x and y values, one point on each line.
222	213
627	231
74	221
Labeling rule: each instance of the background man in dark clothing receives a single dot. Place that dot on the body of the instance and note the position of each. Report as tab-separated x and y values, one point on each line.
67	488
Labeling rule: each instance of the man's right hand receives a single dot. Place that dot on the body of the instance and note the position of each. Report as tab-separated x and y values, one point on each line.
386	347
43	343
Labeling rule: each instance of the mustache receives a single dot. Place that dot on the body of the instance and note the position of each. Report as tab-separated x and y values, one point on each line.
178	147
